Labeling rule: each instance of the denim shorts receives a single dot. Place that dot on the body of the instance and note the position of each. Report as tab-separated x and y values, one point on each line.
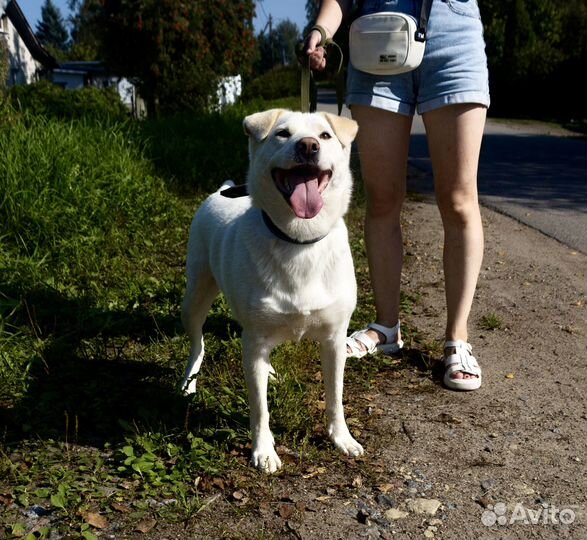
453	70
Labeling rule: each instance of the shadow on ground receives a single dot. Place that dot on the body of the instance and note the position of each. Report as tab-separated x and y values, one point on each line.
93	381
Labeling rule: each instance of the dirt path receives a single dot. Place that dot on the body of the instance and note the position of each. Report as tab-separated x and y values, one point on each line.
448	465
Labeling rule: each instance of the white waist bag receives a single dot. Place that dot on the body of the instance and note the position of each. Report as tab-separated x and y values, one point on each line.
388	43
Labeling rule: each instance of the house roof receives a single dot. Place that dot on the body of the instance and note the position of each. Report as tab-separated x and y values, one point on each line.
38	52
91	67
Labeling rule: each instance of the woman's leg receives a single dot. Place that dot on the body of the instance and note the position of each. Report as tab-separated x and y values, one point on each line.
454	139
383	141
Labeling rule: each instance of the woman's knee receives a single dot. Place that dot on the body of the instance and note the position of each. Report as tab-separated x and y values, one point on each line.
383	203
458	207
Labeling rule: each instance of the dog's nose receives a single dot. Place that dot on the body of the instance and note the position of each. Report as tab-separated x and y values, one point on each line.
307	148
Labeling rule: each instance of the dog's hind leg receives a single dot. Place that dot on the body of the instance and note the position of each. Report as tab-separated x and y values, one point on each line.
200	293
333	357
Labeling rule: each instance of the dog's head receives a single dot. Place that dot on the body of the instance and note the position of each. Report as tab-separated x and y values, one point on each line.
299	169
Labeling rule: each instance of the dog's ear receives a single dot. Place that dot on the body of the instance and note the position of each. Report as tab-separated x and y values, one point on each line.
259	125
345	129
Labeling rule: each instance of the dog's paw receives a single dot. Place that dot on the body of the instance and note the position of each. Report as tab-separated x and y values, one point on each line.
188	386
347	444
266	459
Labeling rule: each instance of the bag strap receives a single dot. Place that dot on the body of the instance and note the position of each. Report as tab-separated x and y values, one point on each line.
308	90
422	24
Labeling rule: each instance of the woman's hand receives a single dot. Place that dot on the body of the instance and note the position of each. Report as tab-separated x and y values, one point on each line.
316	53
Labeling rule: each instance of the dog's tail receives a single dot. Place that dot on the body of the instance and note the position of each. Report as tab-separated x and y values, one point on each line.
226	184
232	191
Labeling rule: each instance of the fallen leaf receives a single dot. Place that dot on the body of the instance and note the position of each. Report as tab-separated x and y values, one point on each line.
285	510
95	520
509	376
146	525
300	506
219	483
357	482
315	472
385	488
119	507
264	506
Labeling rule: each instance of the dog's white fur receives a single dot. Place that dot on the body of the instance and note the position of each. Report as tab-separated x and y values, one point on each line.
278	290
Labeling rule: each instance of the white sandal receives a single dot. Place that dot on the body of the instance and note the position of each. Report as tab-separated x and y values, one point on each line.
461	360
391	345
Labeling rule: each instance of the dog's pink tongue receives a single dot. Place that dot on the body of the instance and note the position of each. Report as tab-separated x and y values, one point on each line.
306	200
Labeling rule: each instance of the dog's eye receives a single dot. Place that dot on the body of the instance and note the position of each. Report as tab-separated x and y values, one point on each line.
325	136
284	133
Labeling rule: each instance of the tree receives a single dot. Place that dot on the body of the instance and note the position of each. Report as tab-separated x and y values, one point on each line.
277	46
312	8
51	30
84	42
537	53
176	49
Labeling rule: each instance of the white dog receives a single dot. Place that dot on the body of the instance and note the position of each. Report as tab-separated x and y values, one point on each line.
282	259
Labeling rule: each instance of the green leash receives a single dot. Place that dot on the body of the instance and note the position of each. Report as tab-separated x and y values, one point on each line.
308	91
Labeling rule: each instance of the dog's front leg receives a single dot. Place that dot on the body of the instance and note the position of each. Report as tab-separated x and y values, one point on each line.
333	357
257	368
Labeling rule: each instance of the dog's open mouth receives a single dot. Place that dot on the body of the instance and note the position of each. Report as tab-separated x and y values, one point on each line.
302	187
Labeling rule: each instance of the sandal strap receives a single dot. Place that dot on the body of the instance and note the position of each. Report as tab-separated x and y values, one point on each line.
462	359
361	336
390	333
459	344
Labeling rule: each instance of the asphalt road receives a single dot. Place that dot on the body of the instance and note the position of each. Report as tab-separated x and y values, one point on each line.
532	172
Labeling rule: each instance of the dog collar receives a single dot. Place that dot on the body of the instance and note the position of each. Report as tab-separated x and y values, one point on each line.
282	236
241	190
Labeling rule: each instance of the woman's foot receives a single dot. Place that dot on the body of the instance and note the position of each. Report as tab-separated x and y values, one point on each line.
462	372
373	339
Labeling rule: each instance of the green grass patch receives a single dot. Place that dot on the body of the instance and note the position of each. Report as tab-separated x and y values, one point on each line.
491	321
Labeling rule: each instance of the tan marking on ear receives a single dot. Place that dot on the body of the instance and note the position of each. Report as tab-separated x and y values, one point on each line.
345	129
258	125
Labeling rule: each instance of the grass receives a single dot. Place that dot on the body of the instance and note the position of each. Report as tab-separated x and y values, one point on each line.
491	321
93	228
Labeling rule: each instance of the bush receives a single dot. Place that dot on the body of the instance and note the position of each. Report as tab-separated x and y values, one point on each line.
47	99
280	82
197	152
